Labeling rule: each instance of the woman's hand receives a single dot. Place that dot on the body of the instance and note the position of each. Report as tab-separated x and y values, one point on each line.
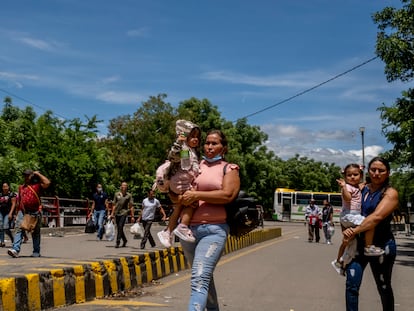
348	234
189	197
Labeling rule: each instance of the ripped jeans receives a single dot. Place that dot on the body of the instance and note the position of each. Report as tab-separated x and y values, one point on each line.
381	268
203	256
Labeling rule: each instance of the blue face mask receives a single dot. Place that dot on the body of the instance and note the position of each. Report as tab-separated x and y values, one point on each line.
212	160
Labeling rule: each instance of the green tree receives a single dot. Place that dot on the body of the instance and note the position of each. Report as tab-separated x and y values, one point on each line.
395	46
139	143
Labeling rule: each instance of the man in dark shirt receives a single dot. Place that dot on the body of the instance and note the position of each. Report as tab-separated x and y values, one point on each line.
98	210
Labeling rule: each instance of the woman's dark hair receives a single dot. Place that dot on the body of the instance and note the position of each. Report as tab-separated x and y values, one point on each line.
382	160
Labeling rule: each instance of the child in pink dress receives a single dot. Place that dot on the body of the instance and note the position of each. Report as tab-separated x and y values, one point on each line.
179	179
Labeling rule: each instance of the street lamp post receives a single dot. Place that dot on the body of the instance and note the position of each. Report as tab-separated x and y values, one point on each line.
362	130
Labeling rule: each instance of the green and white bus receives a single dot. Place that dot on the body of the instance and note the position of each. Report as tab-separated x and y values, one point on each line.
290	205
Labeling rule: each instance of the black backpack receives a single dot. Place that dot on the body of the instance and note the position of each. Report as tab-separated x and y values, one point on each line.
242	214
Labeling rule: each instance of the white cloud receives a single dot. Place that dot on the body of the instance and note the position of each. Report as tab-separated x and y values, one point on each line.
111	79
286	141
304	79
17	80
140	32
120	97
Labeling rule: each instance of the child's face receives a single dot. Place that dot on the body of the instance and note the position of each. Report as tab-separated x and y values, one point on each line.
193	139
353	176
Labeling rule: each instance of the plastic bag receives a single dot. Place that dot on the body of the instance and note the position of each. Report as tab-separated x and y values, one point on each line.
137	229
110	230
331	230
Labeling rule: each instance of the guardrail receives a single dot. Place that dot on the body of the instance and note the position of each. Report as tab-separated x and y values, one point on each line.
61	212
64	212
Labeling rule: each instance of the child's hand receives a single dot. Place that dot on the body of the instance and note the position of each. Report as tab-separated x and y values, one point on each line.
341	182
182	137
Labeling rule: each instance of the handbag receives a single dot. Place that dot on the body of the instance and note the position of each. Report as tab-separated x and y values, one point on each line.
90	226
29	222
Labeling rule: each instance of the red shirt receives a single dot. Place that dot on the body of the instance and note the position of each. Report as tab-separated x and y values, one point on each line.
29	200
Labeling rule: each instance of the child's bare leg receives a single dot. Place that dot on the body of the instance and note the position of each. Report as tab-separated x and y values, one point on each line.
341	252
369	237
172	223
187	214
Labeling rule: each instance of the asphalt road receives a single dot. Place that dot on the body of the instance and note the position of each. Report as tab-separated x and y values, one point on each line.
286	273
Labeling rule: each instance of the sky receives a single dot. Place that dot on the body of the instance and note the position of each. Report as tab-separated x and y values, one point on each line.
257	59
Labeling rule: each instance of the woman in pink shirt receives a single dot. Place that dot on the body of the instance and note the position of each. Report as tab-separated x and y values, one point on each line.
214	189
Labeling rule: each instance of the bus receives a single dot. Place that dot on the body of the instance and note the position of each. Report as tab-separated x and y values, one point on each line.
290	205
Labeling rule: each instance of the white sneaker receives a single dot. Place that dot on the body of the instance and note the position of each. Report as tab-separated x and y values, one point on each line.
338	267
12	252
184	233
372	250
165	238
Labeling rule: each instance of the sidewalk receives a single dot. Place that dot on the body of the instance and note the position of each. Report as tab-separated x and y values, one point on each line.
75	267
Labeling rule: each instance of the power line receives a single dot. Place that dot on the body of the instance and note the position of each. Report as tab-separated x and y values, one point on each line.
249	115
29	102
312	88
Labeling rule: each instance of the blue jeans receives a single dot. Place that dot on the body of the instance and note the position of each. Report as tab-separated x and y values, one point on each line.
381	268
18	237
203	256
5	227
99	217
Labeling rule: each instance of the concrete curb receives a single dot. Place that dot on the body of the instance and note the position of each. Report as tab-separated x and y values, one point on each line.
80	283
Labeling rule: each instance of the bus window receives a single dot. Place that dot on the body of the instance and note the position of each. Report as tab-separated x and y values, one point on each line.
335	200
279	198
319	198
303	198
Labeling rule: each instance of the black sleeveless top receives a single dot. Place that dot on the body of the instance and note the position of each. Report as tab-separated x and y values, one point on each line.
369	203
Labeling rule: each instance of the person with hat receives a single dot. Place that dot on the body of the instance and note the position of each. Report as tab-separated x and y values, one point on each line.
29	203
312	215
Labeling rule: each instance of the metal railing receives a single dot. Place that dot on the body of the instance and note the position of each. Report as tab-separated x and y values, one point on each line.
61	212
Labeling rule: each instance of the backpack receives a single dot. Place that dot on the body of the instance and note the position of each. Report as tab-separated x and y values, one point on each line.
242	214
162	183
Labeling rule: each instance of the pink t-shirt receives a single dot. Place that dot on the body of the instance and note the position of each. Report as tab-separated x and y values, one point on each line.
210	178
355	204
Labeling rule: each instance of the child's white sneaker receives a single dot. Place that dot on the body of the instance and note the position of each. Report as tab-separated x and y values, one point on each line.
184	233
338	267
372	250
165	238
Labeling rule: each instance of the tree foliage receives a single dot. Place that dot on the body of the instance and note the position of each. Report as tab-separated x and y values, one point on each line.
395	40
72	155
395	46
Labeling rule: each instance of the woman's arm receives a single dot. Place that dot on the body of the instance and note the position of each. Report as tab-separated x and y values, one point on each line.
385	207
44	181
230	190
